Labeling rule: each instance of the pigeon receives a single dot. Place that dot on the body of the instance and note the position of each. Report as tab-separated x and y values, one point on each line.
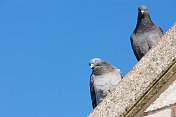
103	79
146	33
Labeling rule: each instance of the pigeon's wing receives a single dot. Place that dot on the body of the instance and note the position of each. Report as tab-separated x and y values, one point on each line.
160	31
121	74
92	91
134	49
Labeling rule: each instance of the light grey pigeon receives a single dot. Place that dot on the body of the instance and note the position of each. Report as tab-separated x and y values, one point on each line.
145	35
103	79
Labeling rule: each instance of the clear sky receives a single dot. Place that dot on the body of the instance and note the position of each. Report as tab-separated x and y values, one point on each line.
45	47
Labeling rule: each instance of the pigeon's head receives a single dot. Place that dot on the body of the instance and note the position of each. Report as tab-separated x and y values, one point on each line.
95	62
142	11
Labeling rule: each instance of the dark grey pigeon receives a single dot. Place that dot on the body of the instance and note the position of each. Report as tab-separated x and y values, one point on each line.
103	79
145	35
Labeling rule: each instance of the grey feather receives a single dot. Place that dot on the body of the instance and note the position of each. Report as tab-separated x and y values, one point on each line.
145	35
92	91
103	79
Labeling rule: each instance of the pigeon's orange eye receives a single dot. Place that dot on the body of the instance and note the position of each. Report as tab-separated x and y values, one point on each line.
95	61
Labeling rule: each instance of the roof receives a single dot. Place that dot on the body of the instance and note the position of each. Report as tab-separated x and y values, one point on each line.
135	92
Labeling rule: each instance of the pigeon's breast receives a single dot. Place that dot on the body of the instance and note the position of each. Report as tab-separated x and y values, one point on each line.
142	42
147	37
103	84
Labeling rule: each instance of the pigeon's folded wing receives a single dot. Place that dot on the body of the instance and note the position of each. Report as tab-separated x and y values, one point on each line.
92	91
160	31
134	49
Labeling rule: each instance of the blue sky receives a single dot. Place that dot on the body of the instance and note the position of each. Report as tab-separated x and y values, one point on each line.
45	47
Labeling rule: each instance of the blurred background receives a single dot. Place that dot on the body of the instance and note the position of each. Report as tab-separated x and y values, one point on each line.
46	45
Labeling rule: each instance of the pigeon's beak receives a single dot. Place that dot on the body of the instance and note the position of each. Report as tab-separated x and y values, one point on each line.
142	12
91	66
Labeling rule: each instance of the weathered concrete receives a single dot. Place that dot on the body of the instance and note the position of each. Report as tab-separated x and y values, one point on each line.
164	113
133	93
166	99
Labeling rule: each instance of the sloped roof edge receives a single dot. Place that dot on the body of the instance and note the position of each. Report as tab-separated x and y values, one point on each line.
143	82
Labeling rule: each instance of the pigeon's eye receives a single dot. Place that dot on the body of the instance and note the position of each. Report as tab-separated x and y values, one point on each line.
95	61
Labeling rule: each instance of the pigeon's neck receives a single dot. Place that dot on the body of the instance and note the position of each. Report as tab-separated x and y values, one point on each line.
100	70
144	24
